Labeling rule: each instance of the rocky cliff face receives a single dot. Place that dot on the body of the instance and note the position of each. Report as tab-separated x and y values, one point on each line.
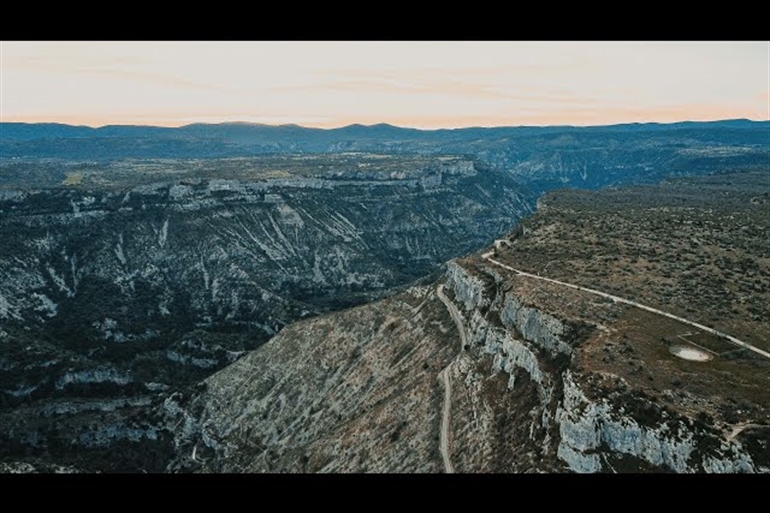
597	435
588	411
134	292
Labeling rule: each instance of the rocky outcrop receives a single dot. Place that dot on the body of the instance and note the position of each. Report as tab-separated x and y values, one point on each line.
594	435
108	375
590	435
542	329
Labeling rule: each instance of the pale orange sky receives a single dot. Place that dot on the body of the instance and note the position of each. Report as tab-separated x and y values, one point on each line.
414	84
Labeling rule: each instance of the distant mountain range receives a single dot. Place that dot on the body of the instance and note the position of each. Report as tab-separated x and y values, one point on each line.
504	145
237	130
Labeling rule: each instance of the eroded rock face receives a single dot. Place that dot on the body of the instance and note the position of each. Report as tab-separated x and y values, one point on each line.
593	433
113	293
352	392
604	433
586	426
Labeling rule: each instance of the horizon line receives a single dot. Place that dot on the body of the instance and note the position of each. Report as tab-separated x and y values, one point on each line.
278	125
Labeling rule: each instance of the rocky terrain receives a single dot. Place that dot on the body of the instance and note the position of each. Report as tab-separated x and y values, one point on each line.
551	379
129	281
143	271
544	157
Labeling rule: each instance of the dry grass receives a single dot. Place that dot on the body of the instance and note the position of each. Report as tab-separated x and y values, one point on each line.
697	249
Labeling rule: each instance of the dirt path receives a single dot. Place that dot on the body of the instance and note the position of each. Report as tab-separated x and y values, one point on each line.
738	428
488	256
443	376
446	419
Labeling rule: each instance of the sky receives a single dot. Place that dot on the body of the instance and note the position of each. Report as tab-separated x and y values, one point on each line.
439	84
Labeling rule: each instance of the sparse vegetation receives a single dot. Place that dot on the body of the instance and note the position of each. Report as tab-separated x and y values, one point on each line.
696	247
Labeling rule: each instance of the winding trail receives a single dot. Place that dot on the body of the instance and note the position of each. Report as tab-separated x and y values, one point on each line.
488	256
446	381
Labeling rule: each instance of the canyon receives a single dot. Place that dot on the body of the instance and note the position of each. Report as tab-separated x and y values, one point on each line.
241	298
